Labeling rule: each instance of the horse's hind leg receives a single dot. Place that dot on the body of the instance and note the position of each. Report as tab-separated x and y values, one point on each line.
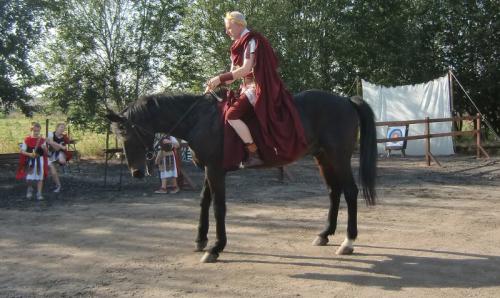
206	198
351	197
331	180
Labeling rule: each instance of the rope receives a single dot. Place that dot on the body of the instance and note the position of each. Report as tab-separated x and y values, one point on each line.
353	83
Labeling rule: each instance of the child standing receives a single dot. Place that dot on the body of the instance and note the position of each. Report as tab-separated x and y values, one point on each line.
167	164
58	154
33	161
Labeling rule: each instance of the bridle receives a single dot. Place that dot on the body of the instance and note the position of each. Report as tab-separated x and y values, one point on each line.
212	92
150	152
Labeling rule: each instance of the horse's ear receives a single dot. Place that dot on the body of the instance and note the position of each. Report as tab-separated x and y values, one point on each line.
114	117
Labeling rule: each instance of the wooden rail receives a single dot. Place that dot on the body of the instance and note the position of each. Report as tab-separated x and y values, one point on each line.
9	159
428	135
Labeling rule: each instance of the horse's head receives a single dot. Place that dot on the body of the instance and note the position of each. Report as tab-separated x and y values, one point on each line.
137	142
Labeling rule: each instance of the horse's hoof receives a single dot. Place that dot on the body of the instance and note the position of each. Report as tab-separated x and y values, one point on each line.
209	258
320	241
200	246
345	250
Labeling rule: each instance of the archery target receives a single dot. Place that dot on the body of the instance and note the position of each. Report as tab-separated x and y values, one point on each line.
395	132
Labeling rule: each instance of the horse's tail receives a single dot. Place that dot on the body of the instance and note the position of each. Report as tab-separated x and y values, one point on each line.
368	149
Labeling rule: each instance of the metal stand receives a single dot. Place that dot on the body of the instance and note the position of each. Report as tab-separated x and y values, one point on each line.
108	154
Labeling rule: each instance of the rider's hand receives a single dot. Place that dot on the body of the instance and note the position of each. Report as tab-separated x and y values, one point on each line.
212	83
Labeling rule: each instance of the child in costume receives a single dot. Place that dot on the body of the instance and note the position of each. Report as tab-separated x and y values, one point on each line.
33	165
58	153
168	165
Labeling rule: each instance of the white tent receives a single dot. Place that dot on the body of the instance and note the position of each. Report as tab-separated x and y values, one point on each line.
412	102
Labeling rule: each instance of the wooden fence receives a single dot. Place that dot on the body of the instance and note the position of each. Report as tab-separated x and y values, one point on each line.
428	135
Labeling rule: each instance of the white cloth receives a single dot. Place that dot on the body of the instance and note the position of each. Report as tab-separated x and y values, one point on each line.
169	174
249	90
173	172
53	155
412	102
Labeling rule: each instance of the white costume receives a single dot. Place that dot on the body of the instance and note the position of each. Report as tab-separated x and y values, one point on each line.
166	161
36	173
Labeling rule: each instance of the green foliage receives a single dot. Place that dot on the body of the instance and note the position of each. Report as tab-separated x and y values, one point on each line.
113	51
19	31
107	53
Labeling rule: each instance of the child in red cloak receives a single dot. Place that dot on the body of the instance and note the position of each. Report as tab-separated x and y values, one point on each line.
33	165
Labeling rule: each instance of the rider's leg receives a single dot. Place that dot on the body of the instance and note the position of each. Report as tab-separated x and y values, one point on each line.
238	110
242	130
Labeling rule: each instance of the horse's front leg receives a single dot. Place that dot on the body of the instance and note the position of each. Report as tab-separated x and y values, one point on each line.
206	198
216	181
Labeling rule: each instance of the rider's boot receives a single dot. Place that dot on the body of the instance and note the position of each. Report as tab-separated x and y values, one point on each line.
253	159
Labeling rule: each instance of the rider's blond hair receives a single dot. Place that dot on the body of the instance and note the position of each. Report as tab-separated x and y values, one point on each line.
236	17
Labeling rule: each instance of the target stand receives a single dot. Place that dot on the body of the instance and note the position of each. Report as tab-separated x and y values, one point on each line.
396	132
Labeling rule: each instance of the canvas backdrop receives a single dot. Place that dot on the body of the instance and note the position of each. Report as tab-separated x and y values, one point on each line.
412	102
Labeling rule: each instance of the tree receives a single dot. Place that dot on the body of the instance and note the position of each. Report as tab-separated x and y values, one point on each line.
115	50
19	31
471	47
107	53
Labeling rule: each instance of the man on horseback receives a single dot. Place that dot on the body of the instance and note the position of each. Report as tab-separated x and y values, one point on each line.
253	61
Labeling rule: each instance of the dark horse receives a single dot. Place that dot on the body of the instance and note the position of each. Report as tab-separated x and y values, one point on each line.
330	123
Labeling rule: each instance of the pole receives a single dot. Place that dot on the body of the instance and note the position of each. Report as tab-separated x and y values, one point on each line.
450	91
358	87
478	135
106	158
46	128
427	142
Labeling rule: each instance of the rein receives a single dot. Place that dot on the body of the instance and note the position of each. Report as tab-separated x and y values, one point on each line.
150	151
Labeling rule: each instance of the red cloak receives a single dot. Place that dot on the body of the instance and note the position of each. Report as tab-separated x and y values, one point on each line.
276	127
31	142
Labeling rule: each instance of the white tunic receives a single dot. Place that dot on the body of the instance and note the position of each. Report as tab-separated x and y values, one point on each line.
35	174
172	173
53	155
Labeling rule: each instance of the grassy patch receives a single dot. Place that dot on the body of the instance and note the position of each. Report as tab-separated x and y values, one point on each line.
14	127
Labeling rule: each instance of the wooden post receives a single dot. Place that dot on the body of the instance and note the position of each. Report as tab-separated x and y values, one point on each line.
478	135
427	142
479	148
454	124
46	128
122	156
106	158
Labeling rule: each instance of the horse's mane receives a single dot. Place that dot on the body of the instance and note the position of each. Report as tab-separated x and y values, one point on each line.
149	106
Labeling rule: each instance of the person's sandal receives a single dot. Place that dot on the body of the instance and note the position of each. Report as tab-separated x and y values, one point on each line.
174	190
161	190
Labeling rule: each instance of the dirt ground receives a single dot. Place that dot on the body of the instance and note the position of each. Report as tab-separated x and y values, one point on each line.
435	233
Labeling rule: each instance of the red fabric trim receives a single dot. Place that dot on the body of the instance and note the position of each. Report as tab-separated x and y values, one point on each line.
69	155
